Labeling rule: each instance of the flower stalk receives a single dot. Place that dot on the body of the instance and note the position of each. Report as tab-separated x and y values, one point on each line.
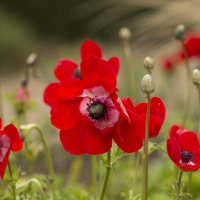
12	183
145	156
94	173
179	185
108	169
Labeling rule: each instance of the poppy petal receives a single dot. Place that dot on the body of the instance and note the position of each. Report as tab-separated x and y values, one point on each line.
65	69
3	164
173	150
98	72
89	48
51	93
115	62
16	143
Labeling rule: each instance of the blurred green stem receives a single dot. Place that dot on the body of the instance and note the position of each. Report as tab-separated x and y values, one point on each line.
49	161
108	168
37	183
179	185
145	156
188	85
127	51
94	174
189	182
199	112
136	173
12	183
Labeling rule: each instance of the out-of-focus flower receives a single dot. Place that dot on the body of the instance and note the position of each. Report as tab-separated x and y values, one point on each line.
192	45
66	69
157	113
90	114
9	140
22	95
184	149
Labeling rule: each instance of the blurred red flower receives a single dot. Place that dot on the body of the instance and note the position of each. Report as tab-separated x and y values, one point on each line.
66	69
9	140
90	114
184	149
157	113
22	95
192	45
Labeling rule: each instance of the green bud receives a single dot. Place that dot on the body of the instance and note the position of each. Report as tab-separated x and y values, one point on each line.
31	60
180	32
147	84
125	33
196	77
148	64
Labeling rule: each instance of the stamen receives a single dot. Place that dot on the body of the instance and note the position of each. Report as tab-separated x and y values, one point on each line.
187	156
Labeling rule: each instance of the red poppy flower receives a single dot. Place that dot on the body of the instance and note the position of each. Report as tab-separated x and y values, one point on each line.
90	114
184	149
157	113
67	69
9	140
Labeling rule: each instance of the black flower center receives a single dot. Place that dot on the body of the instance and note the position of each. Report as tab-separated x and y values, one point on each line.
1	145
97	110
186	156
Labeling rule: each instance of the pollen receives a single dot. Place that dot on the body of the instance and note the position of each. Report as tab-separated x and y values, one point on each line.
97	110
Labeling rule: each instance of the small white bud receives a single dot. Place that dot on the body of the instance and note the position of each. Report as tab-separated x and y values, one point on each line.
196	77
31	59
125	33
147	84
180	32
148	64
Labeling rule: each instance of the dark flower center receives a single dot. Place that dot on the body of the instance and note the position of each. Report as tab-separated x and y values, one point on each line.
1	145
77	73
97	110
186	156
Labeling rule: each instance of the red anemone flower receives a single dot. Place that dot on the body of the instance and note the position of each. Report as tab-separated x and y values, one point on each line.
89	113
9	140
157	113
66	69
184	149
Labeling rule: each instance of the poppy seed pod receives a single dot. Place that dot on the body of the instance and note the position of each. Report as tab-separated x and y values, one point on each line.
180	32
125	33
148	64
196	77
147	84
31	59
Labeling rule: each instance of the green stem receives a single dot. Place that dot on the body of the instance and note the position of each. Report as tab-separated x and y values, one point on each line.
37	183
188	85
127	50
136	173
189	182
48	158
145	156
199	112
12	183
108	169
179	185
94	174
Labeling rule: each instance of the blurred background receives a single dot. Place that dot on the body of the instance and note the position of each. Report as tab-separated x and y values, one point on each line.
56	30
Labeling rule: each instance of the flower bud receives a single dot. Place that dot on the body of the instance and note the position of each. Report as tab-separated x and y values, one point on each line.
31	59
196	77
147	84
180	32
125	33
148	64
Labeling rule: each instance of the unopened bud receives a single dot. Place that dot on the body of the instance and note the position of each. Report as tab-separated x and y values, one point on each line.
125	33
148	64
180	32
196	77
31	59
147	84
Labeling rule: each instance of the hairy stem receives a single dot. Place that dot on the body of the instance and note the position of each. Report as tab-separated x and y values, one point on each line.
179	185
12	183
94	174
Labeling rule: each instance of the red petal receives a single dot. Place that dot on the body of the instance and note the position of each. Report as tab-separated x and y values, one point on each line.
155	124
65	113
115	62
128	103
89	48
3	164
0	123
84	138
16	143
97	72
72	87
120	107
129	136
141	108
65	69
51	93
188	141
173	150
